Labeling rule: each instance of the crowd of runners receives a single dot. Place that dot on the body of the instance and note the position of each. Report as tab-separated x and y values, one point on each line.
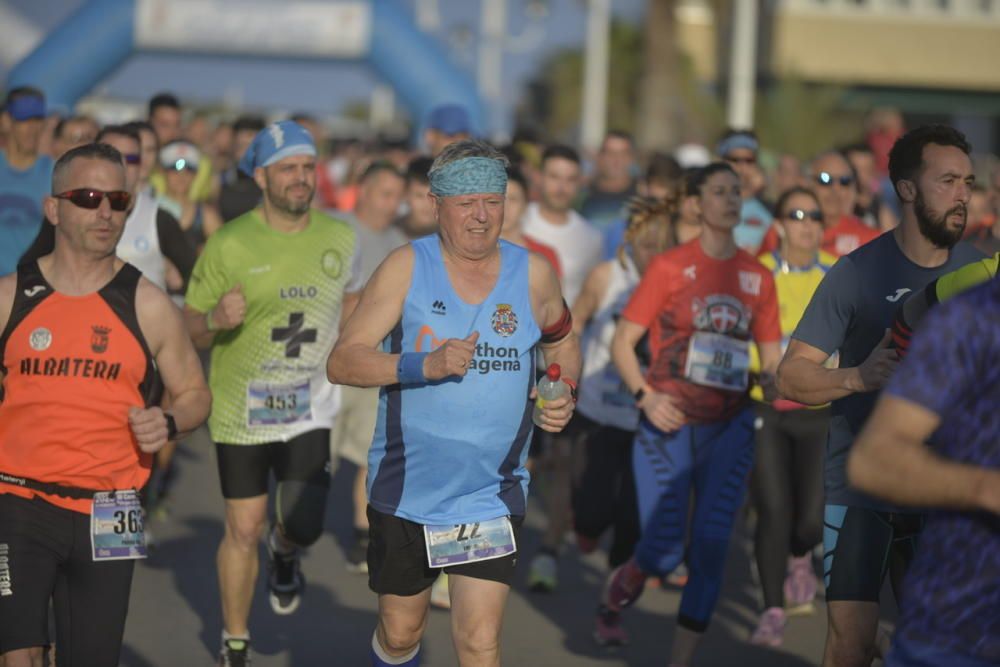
822	334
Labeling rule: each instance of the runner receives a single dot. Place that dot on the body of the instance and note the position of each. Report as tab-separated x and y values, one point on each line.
614	182
600	435
850	312
267	295
787	480
739	148
515	203
25	174
702	303
84	344
448	326
933	441
179	161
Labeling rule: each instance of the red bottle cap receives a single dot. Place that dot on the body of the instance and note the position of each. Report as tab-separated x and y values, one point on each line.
554	372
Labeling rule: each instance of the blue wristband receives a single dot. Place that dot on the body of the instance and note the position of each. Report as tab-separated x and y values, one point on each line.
410	369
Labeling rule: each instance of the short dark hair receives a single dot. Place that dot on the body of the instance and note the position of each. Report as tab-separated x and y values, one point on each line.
249	123
163	100
66	120
779	205
514	174
907	155
562	152
94	151
22	91
619	134
663	168
416	170
699	177
139	126
376	168
858	147
120	130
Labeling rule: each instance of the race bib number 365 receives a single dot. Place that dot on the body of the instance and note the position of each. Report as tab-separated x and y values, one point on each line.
116	529
469	542
271	404
718	361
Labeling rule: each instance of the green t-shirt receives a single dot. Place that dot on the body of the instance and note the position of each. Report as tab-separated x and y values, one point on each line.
268	375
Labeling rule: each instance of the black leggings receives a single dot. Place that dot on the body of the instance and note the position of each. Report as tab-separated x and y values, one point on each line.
603	492
787	488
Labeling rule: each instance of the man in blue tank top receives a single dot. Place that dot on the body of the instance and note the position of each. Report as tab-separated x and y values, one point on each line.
447	327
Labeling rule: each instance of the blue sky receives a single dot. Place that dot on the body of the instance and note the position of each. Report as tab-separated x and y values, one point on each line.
319	87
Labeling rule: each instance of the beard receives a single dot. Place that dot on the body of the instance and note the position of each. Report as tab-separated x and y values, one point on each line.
287	204
935	228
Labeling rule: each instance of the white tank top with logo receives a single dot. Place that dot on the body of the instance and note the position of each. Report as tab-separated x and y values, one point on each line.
603	396
140	242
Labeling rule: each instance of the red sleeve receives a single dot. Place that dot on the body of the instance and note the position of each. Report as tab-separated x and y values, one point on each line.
868	234
765	325
651	293
770	242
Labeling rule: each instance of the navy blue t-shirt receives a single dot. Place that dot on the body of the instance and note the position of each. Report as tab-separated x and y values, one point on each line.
849	313
951	595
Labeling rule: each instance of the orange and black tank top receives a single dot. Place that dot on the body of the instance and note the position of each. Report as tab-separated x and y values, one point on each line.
73	366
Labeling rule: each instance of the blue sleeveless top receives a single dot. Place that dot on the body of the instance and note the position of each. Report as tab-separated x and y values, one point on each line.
453	451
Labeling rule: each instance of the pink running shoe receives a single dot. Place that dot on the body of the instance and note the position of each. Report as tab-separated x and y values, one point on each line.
623	586
800	586
770	629
608	630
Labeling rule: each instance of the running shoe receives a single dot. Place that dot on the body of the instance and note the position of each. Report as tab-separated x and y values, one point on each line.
623	586
357	555
285	582
800	586
608	630
770	629
543	575
235	653
440	595
678	578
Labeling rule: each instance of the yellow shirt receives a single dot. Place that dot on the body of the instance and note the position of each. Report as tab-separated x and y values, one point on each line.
795	287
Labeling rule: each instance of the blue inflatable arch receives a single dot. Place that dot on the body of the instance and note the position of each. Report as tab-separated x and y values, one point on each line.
90	44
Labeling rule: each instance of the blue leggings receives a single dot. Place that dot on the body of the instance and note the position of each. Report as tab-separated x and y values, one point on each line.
716	459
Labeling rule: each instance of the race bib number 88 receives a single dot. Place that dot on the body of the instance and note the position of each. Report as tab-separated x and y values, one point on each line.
715	360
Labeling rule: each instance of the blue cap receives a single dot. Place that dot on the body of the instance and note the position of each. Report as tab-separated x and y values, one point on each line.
26	108
450	119
275	142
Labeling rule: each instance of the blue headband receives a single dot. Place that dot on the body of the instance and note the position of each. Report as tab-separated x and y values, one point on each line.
276	142
26	108
469	176
737	141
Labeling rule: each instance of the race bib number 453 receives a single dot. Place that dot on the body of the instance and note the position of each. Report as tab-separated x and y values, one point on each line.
715	360
271	404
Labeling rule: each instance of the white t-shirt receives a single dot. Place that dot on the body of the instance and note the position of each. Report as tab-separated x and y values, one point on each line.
578	244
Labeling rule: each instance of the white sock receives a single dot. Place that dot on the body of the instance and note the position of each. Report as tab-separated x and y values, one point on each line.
388	659
244	637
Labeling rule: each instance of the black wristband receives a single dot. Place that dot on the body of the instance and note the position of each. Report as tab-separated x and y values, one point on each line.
639	394
171	426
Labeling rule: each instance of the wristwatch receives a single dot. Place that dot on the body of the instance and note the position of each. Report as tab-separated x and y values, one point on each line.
171	426
639	394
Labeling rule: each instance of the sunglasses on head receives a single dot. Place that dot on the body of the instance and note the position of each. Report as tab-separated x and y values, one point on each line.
827	179
799	214
118	200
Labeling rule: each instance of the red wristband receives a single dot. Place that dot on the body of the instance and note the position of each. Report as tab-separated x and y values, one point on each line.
572	387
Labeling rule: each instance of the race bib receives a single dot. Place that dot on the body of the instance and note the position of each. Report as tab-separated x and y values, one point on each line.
270	404
715	360
469	542
116	531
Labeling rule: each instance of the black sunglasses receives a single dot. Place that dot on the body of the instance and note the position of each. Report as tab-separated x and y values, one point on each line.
800	215
118	200
827	179
132	158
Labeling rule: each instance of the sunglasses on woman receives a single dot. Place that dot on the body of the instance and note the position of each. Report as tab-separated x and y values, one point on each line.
800	215
826	179
118	200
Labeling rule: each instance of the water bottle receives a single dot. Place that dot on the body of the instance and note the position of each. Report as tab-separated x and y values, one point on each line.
550	388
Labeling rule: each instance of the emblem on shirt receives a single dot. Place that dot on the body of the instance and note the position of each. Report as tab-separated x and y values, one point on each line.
439	307
722	314
331	264
750	282
32	291
99	338
691	272
40	339
504	320
893	298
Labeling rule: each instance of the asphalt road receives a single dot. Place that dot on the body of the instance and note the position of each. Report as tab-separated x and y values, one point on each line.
174	617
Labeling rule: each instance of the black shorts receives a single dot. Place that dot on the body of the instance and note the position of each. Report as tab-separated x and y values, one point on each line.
397	557
861	546
45	554
244	469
